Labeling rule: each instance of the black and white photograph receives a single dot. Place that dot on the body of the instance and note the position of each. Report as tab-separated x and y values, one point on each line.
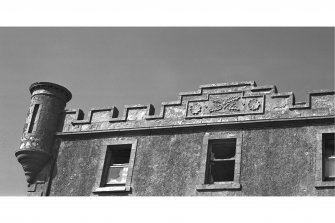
205	113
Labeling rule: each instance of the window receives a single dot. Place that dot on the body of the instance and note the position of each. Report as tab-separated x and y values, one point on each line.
220	166
116	166
325	159
117	170
34	117
328	157
221	156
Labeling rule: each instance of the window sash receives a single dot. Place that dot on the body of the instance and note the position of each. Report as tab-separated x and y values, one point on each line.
117	174
330	167
225	175
213	161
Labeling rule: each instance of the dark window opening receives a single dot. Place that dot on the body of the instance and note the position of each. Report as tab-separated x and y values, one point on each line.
223	171
120	155
328	157
224	150
116	165
33	117
221	166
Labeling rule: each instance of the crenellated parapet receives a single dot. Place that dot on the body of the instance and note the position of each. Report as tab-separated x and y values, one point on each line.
210	104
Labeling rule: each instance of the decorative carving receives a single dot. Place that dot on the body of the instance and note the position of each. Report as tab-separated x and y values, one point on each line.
195	109
254	104
216	105
29	142
229	104
280	106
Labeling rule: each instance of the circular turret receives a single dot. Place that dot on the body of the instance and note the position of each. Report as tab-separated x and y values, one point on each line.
48	101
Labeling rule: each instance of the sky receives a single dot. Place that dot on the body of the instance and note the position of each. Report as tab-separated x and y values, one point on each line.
105	67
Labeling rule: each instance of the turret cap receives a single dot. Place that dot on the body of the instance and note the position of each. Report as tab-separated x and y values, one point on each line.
51	86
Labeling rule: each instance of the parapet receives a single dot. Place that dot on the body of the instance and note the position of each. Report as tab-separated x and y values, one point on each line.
212	104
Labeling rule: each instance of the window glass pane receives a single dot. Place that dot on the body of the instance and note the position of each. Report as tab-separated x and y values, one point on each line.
223	171
329	145
116	168
225	149
117	175
120	155
329	156
330	167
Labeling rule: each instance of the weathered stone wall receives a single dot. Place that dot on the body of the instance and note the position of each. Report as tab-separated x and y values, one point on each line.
280	144
275	161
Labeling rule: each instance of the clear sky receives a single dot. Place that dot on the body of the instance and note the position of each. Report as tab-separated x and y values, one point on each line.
122	66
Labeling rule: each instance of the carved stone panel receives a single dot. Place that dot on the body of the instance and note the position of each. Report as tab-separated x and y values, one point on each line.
225	105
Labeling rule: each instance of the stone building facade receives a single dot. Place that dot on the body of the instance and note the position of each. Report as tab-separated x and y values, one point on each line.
231	139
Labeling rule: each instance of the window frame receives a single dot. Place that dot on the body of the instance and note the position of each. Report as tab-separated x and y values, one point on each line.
101	179
108	164
222	185
211	161
319	175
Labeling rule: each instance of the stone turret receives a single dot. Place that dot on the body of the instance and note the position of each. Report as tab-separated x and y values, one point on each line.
48	101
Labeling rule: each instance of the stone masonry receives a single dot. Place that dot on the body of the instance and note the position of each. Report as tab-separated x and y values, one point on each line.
279	143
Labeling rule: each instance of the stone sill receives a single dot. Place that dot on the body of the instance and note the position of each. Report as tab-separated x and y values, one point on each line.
112	189
321	184
219	186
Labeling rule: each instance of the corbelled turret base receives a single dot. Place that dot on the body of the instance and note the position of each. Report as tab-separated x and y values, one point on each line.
32	162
